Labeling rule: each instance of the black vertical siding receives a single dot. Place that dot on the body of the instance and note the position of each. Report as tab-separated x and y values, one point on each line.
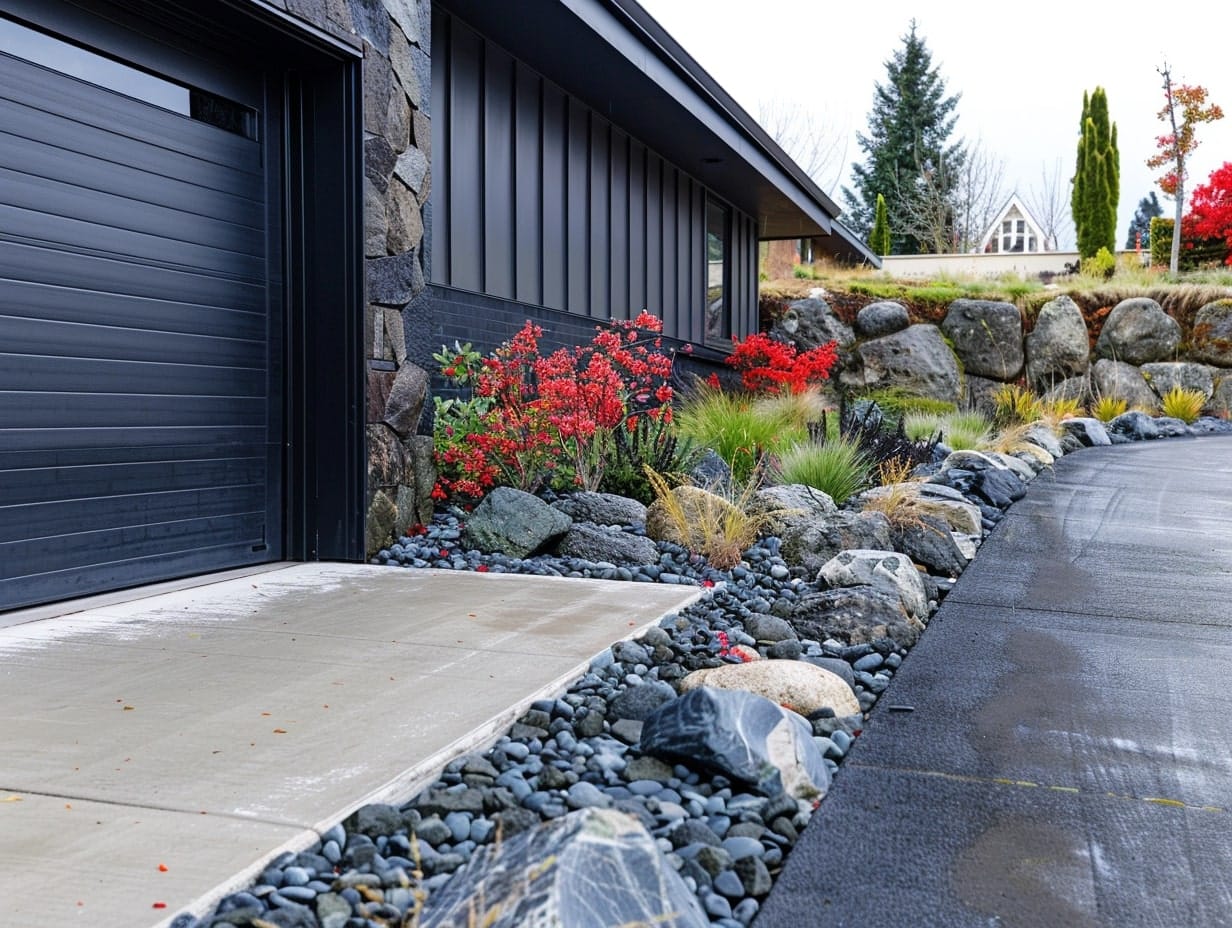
554	253
541	200
529	204
636	296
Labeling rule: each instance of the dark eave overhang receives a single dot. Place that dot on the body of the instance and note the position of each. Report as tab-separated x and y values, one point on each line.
845	247
616	58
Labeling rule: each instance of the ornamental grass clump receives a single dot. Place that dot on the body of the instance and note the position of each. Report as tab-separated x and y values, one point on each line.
719	523
966	430
837	467
1182	404
1107	408
735	428
1014	404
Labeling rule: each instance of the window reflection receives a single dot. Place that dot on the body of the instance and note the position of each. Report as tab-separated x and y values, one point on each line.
718	319
86	65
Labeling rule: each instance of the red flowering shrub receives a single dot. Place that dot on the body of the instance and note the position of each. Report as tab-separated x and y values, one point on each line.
534	420
769	365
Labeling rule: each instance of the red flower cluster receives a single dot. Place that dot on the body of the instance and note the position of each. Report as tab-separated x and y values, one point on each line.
554	416
767	364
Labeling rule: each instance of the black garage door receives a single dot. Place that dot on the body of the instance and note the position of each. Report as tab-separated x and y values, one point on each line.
139	435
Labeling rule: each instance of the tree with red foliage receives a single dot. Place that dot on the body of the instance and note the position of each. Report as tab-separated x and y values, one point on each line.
1188	105
1210	209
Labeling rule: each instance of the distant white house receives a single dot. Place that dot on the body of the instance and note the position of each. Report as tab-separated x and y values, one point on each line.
1014	231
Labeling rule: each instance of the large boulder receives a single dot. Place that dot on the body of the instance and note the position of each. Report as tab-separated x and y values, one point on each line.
810	323
852	615
601	508
592	542
743	736
1163	376
515	523
980	394
795	685
1090	433
589	869
787	502
882	318
1059	347
1138	331
1119	379
809	540
1134	426
929	542
987	337
1072	388
1221	398
1211	340
887	571
916	360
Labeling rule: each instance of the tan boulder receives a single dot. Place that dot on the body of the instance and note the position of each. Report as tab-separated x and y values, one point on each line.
797	685
682	519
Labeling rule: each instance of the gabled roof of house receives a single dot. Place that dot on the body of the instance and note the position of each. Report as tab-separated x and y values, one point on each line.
1013	202
615	57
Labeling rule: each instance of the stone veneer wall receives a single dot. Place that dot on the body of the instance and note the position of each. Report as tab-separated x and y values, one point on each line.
397	74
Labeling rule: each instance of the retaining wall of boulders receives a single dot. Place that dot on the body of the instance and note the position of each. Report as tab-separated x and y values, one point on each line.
1141	351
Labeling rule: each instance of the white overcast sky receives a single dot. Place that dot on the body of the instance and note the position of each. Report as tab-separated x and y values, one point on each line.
1020	72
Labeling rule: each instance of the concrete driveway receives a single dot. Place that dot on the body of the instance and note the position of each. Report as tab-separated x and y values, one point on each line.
156	751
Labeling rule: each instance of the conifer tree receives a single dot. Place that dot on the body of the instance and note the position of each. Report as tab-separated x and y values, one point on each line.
879	240
1097	177
908	149
1140	225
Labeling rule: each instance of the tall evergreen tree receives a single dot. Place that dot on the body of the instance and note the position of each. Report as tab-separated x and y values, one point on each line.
1097	177
1148	208
879	239
908	153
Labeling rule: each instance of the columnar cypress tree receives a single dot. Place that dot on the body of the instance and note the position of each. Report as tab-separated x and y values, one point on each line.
1097	177
879	240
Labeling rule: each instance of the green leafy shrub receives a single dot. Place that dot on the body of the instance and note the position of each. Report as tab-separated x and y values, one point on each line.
1101	265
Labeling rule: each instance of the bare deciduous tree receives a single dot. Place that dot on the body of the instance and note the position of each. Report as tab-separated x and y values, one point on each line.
947	214
1049	204
815	142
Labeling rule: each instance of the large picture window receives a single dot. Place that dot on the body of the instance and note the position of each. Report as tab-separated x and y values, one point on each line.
718	313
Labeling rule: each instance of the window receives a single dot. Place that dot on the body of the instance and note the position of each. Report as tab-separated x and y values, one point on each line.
718	315
86	65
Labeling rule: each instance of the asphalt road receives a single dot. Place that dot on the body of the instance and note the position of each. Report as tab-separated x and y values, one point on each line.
1067	756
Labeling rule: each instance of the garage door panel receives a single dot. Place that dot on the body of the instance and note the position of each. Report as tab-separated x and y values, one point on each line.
125	246
99	113
65	518
95	150
124	545
25	372
125	481
139	412
28	197
74	410
26	157
20	261
108	438
40	337
30	300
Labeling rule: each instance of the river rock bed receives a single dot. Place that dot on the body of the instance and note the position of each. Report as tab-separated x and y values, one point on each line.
723	837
